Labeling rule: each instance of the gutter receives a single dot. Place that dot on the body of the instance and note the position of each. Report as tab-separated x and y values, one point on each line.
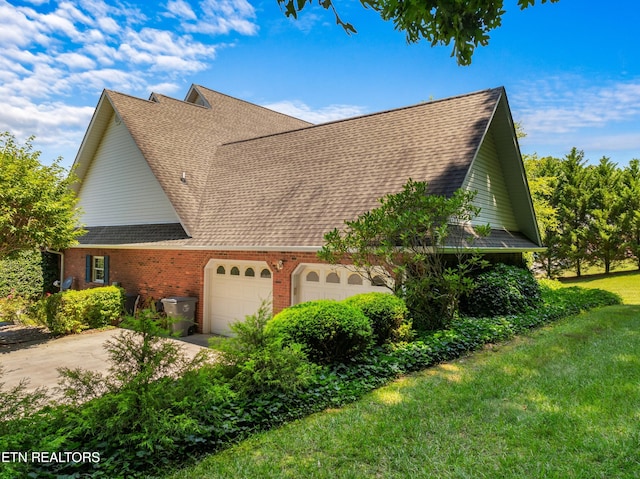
280	249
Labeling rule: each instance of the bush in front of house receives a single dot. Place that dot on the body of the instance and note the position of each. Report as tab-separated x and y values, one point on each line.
142	427
388	314
21	275
72	311
502	290
258	361
329	331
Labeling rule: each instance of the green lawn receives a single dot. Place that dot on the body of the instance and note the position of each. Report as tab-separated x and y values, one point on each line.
625	283
562	402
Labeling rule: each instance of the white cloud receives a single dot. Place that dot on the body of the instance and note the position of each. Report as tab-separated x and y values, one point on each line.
559	106
56	57
166	88
107	25
76	61
598	117
16	29
302	111
222	17
57	126
180	9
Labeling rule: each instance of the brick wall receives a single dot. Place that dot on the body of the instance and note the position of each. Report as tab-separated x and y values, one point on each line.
156	274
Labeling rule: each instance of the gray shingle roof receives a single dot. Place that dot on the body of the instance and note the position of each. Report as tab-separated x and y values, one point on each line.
291	188
134	234
260	179
176	136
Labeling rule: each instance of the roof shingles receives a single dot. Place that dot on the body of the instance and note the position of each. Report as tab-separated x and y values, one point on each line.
291	188
259	179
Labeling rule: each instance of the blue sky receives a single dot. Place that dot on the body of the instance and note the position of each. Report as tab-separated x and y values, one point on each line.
571	69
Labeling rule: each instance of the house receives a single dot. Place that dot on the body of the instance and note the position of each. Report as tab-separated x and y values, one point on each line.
219	199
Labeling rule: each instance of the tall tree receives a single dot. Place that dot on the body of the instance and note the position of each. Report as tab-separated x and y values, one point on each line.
37	207
630	217
542	176
606	206
571	199
465	23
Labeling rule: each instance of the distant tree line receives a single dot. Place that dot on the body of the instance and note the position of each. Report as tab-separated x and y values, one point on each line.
587	214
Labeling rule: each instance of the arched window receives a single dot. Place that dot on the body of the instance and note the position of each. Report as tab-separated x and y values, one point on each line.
235	271
249	272
265	273
220	270
333	278
312	277
378	281
355	278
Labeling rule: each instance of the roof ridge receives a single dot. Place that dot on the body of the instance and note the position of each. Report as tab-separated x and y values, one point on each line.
185	102
372	114
109	92
251	104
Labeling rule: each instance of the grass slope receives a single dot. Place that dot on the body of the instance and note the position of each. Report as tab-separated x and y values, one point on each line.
562	402
625	283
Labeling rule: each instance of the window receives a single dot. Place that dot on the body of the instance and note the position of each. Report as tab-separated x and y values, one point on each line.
312	277
265	273
220	270
378	281
333	278
355	278
249	272
97	269
235	271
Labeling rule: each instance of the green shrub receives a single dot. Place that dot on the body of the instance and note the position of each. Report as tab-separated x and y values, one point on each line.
387	314
257	361
146	422
13	309
147	405
329	331
74	311
502	290
21	275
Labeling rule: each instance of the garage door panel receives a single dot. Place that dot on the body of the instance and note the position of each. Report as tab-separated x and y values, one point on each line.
233	297
332	282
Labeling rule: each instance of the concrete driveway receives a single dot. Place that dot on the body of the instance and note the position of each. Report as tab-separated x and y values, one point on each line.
38	361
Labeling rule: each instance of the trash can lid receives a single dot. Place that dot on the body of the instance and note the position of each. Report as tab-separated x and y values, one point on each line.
178	299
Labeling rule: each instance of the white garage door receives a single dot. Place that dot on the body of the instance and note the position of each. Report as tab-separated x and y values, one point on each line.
234	290
316	281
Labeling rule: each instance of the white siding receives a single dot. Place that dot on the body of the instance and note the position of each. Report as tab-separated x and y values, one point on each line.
119	187
487	178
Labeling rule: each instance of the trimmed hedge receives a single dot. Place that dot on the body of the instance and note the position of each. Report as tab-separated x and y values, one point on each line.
329	331
387	314
72	311
500	291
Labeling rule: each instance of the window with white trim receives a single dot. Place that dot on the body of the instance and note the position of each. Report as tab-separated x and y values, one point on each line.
97	269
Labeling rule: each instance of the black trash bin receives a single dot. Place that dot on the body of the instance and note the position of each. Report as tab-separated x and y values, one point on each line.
182	309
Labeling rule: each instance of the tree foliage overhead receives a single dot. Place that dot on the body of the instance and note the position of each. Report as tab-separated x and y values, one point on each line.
465	23
37	207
